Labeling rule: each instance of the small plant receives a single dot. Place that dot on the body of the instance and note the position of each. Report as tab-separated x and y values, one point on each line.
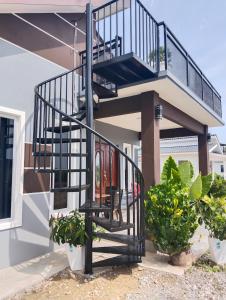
218	188
213	212
171	214
153	55
70	229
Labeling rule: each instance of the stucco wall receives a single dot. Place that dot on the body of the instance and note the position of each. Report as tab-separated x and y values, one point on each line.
20	71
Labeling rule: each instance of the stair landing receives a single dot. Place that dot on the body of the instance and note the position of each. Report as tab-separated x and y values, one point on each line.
124	70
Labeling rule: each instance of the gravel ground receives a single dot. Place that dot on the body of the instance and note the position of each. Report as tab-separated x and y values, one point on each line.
134	283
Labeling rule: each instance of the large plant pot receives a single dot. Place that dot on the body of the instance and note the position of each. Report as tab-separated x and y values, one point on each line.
76	257
183	259
218	251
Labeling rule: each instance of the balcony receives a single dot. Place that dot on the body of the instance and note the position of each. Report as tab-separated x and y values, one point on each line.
132	49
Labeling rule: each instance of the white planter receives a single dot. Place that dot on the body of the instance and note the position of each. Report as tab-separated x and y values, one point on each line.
218	251
76	257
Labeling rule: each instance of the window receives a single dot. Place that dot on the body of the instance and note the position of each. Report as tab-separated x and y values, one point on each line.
6	166
61	177
11	167
222	168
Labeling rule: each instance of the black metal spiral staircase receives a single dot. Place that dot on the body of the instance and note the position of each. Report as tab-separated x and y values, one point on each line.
63	145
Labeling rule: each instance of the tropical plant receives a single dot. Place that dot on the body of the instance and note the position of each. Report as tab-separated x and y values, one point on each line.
218	188
171	214
153	55
213	212
70	229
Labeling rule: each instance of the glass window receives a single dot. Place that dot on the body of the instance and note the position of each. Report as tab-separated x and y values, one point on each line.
98	170
6	166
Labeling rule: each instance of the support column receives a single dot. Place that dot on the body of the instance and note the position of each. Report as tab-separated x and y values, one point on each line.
203	150
89	136
150	137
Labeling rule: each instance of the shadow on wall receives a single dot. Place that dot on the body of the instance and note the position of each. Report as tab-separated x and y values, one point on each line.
32	239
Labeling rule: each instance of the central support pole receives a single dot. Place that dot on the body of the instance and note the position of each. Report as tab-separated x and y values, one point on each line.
90	138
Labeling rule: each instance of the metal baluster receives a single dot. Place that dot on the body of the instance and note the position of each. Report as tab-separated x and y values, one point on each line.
133	191
111	196
123	24
70	157
135	26
80	167
100	172
131	37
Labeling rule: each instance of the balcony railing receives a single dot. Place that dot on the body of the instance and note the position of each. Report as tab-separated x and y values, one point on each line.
174	58
126	26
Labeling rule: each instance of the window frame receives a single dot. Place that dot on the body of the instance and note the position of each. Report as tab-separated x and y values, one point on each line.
18	167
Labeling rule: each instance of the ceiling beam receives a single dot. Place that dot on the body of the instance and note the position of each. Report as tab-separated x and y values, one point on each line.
132	104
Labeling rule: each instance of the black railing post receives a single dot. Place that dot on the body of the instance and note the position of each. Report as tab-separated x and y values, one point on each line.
90	142
158	50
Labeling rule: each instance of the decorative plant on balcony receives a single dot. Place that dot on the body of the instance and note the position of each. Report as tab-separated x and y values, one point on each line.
171	213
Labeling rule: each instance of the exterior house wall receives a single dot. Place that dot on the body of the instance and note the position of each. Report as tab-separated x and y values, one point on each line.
20	72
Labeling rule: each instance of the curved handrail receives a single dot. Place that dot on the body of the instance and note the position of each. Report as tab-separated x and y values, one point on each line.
80	123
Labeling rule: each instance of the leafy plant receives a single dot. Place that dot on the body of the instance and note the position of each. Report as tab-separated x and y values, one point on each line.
213	212
171	214
153	55
218	188
70	229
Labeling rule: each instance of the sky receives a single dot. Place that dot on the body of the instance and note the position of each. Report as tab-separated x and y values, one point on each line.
200	26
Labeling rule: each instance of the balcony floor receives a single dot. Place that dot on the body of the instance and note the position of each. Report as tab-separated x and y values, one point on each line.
124	70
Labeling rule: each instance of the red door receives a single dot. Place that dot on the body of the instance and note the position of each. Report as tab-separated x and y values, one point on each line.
106	172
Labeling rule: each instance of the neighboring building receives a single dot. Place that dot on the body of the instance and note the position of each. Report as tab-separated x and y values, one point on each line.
186	149
126	91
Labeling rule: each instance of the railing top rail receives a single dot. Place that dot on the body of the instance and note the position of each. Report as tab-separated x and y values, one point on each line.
58	76
130	1
189	57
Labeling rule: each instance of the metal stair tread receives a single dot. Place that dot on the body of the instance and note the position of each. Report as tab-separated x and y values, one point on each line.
103	92
117	260
62	170
95	207
63	128
71	189
120	238
47	154
58	140
125	250
112	226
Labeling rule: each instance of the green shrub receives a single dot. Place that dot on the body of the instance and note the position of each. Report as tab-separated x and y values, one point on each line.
218	188
171	215
213	213
70	229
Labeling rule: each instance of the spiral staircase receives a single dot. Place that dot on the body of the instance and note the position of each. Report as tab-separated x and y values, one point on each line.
63	146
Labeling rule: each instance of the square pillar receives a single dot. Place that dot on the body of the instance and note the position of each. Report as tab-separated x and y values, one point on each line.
203	151
150	137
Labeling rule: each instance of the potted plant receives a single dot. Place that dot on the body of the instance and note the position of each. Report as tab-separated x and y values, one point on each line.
171	214
70	230
213	212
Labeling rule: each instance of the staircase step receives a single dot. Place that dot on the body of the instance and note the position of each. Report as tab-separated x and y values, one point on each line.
79	116
95	207
62	170
70	189
58	141
120	238
117	261
47	154
112	226
103	92
64	128
125	250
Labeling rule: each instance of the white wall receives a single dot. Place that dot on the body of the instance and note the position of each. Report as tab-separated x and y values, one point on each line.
20	71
